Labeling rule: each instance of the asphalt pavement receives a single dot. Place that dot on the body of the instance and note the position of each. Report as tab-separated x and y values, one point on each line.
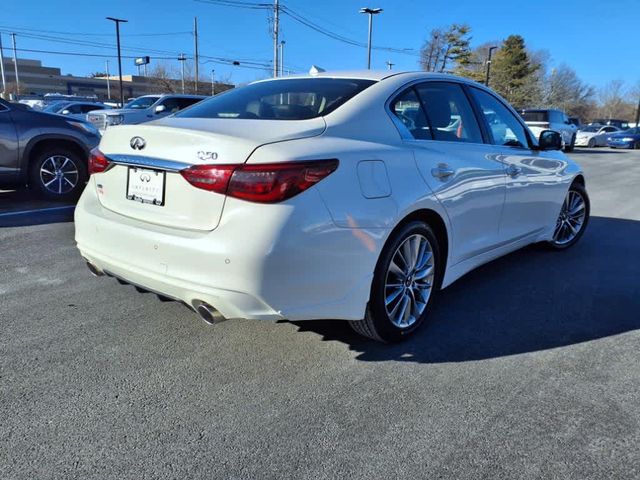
529	368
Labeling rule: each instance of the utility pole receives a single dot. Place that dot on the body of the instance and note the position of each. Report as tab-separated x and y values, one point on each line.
276	31
15	64
389	64
282	42
638	114
182	59
213	85
4	80
108	81
197	57
486	80
118	21
371	12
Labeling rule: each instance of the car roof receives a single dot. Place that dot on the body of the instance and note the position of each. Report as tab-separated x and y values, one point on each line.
375	75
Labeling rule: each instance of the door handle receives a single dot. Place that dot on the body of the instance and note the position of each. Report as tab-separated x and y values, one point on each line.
442	171
513	170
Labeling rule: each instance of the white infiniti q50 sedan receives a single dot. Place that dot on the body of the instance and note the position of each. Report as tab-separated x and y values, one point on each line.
349	195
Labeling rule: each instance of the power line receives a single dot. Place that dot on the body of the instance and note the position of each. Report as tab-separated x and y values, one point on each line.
91	34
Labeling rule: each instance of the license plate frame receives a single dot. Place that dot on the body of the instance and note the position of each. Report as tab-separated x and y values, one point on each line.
149	187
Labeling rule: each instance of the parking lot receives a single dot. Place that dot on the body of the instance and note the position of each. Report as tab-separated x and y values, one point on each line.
530	368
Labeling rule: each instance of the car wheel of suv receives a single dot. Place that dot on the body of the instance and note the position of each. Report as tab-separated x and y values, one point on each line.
569	148
404	284
573	218
57	173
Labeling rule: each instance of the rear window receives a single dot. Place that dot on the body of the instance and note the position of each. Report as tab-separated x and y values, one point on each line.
294	99
535	116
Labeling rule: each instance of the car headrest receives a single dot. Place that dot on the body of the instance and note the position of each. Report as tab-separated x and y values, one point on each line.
438	109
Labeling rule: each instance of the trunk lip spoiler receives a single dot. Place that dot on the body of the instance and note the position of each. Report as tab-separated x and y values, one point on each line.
149	162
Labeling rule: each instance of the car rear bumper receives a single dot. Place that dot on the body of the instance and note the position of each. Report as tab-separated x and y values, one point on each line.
265	262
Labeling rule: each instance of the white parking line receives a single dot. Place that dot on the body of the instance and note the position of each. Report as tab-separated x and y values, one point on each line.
37	210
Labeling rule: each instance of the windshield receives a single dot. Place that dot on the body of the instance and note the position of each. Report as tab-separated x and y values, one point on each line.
632	131
55	107
590	129
535	116
293	99
141	102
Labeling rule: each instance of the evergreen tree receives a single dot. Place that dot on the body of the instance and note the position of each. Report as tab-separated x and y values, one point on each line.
514	75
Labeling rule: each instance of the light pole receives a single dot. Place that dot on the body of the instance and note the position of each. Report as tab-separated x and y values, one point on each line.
371	12
282	42
486	80
4	80
389	64
213	85
108	81
15	65
182	59
118	21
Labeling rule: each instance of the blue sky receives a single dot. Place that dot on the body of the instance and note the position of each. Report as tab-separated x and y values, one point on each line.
596	40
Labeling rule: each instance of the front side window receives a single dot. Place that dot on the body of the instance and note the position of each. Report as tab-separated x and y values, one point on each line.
448	112
291	99
504	127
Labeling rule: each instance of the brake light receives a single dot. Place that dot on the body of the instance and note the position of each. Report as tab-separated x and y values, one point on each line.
214	178
97	161
262	183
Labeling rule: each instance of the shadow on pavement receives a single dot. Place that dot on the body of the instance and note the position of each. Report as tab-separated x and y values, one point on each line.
599	150
20	208
528	301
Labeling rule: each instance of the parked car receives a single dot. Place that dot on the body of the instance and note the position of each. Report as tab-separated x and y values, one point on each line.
77	110
339	195
621	124
594	135
626	139
47	152
549	119
142	109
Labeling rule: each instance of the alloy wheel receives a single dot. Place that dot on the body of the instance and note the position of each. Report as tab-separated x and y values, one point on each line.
59	174
409	281
571	219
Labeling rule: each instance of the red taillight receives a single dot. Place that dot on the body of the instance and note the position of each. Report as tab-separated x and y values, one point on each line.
263	183
97	161
214	178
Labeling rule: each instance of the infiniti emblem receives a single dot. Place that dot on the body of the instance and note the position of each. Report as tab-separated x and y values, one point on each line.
138	143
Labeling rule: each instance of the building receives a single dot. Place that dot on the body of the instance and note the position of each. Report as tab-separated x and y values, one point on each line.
36	80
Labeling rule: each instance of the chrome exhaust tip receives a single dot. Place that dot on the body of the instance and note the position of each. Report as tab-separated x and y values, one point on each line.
208	314
95	271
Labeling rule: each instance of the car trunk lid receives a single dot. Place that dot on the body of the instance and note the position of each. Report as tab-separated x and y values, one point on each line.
145	181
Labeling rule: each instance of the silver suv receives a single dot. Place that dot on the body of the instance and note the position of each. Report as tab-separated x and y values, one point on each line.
142	109
550	119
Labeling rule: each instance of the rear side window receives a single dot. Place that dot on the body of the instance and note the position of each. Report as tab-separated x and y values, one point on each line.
504	127
535	115
291	99
448	112
406	107
187	102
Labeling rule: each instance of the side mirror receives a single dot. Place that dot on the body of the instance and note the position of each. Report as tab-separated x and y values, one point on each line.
160	109
549	140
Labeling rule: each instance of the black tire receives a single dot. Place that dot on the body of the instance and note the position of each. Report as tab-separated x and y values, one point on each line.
58	188
637	146
578	188
377	323
591	143
569	148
